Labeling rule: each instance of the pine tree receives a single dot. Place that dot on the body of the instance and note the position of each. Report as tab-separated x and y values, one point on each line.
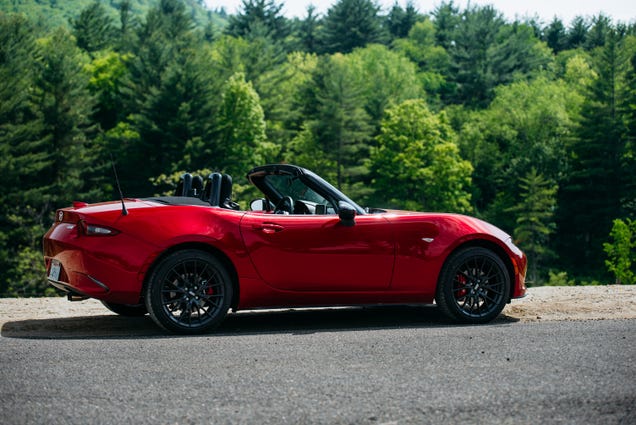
628	199
23	153
555	35
400	21
591	197
67	108
487	52
474	38
260	18
447	19
577	33
350	24
598	32
169	96
340	123
93	28
535	220
51	156
308	31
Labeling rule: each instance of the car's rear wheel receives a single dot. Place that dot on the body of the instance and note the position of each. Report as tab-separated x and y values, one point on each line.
474	286
189	292
129	310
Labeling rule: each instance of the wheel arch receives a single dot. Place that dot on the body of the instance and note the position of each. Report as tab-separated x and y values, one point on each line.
494	247
220	255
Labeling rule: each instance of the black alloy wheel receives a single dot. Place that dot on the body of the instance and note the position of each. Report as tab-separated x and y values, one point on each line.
474	286
189	292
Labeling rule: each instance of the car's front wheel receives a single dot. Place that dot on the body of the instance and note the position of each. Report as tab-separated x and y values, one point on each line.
473	286
189	292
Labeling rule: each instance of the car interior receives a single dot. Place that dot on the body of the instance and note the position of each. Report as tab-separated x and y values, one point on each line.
284	194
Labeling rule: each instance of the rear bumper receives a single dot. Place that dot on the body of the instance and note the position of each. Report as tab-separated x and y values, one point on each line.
84	288
94	266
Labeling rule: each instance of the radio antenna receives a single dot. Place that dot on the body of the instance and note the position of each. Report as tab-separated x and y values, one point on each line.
124	211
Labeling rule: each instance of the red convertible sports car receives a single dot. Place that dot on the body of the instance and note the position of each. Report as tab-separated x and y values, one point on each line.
187	259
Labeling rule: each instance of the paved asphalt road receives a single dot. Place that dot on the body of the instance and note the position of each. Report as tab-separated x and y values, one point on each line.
369	366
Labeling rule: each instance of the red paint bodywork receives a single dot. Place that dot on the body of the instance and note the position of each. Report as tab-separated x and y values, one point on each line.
276	260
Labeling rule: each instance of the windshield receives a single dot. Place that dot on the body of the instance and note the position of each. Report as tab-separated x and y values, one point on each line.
293	186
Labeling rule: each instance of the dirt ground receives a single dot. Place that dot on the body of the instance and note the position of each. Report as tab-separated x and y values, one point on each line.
541	304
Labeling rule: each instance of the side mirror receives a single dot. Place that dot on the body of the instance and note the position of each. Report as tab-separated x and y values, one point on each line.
347	214
261	204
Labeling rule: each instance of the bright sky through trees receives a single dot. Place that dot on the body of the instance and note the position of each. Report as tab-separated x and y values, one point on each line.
619	10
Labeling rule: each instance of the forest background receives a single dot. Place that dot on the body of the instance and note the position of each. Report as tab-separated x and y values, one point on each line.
529	125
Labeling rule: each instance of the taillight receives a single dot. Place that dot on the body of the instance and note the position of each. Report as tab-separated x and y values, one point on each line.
95	230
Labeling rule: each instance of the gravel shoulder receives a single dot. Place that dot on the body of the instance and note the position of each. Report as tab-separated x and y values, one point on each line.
541	304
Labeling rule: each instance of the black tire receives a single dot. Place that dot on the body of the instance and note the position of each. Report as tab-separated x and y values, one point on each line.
473	287
189	292
128	310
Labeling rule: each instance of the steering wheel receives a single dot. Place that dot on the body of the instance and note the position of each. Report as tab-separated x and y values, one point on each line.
284	206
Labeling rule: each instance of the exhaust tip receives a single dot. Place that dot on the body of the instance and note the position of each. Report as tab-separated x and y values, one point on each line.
76	297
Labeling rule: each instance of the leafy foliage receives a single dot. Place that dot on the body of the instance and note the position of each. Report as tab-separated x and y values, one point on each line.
621	251
417	163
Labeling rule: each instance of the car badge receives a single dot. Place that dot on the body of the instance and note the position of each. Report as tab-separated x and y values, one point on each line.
60	216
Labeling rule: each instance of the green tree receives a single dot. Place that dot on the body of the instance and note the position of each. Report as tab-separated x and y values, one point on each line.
56	160
260	17
417	164
128	23
600	28
446	18
339	121
240	129
528	125
628	201
432	60
385	76
108	72
350	24
555	35
473	40
169	96
487	52
93	28
282	94
399	21
597	179
308	31
621	251
67	108
256	57
23	150
577	32
535	220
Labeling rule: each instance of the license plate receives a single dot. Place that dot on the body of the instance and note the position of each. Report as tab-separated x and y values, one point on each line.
54	272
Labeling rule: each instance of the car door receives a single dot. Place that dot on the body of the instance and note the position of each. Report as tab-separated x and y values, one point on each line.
319	253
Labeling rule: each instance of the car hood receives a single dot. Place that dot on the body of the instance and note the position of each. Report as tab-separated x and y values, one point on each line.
478	225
